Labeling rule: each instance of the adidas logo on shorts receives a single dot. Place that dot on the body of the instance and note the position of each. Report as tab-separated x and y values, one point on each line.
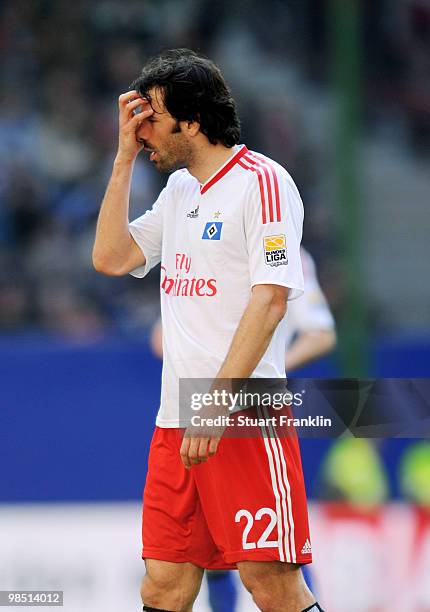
307	548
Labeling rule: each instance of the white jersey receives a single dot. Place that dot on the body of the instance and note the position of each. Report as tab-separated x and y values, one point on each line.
311	311
215	241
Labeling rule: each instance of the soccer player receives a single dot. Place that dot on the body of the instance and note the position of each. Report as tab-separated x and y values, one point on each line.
311	329
227	230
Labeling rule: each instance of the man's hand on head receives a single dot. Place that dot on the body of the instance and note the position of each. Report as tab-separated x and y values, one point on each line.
133	111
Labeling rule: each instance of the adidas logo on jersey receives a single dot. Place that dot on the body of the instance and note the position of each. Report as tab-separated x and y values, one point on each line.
194	213
307	548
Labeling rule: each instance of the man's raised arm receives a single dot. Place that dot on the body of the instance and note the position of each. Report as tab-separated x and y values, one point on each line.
115	252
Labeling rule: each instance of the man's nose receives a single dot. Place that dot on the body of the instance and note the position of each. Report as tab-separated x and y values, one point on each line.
143	132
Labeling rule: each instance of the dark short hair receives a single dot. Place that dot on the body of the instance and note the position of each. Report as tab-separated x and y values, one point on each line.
193	89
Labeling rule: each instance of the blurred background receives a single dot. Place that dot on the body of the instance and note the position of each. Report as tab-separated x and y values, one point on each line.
338	91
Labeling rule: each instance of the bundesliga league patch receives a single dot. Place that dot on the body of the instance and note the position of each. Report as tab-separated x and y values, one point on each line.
212	230
275	250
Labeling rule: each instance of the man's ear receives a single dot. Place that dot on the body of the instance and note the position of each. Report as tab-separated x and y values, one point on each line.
191	128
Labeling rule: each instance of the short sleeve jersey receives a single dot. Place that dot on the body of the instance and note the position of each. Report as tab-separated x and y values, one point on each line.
311	312
216	241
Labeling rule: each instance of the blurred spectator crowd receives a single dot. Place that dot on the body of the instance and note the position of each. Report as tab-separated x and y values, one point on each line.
62	67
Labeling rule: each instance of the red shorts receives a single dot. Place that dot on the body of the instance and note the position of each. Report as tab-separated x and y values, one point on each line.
247	503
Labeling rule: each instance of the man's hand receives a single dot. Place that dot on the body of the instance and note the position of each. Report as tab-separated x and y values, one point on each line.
129	123
200	441
197	449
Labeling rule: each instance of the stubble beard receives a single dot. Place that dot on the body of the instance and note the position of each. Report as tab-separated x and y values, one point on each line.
179	154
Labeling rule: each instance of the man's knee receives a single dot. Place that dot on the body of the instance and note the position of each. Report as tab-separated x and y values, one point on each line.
256	575
273	584
264	599
171	586
159	592
164	593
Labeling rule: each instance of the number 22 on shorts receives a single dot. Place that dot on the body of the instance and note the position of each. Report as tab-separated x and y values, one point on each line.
263	541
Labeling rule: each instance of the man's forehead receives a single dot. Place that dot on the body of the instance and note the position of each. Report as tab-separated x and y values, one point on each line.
157	100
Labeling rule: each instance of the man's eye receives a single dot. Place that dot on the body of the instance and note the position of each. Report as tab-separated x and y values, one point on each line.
151	120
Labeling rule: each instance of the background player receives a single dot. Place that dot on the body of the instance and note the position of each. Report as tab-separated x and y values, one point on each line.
311	330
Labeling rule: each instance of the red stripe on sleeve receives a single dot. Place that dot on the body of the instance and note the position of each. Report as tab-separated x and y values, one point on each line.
261	186
277	198
267	177
275	182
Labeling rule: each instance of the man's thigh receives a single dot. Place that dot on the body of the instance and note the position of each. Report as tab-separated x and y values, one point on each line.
174	528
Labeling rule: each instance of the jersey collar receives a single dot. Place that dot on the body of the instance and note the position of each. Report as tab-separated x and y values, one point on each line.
226	167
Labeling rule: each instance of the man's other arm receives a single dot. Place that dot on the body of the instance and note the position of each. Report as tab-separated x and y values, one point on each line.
265	310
